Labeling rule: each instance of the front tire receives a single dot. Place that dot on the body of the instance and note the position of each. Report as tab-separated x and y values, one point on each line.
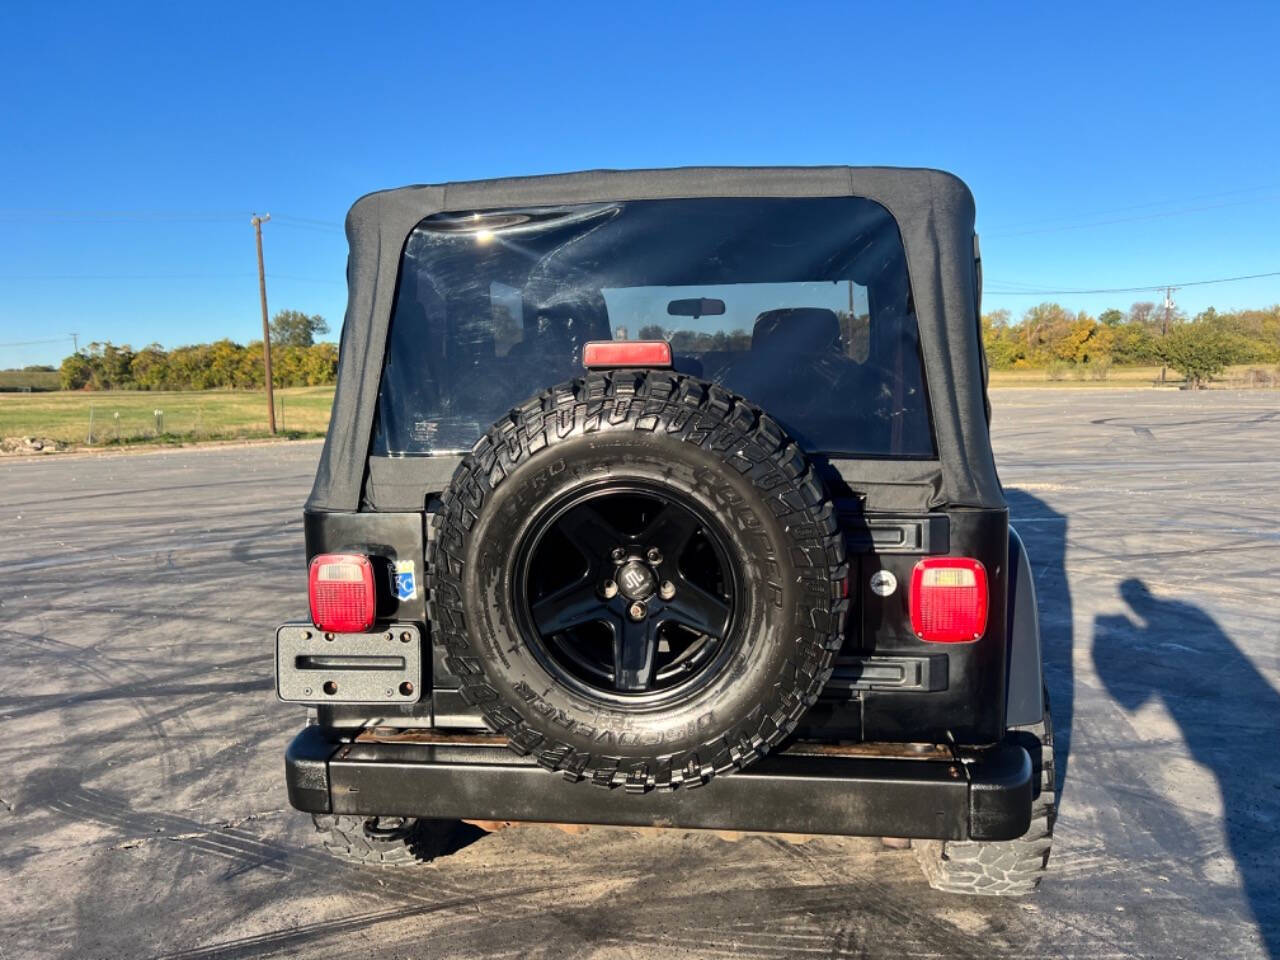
1007	868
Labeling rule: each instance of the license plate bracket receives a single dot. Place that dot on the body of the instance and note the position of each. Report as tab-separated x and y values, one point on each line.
315	666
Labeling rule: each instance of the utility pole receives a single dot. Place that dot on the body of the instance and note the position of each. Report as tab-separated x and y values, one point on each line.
1164	325
266	327
75	342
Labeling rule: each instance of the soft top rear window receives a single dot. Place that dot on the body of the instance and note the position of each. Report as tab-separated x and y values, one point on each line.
801	305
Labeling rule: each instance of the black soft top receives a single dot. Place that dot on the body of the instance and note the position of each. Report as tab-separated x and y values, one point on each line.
934	211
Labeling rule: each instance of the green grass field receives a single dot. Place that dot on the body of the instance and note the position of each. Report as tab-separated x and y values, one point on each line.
126	416
1116	377
30	380
1122	377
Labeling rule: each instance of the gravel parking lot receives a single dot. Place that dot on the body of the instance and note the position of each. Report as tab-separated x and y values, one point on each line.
142	811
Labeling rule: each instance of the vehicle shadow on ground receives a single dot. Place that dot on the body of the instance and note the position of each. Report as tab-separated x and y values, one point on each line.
1044	533
1228	714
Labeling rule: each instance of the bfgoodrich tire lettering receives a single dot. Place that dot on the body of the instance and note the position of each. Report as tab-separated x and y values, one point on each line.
721	454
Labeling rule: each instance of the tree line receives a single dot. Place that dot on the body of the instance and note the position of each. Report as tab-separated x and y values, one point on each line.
296	361
1048	336
1052	337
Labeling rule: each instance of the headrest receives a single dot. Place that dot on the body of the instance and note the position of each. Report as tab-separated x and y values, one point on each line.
797	330
578	314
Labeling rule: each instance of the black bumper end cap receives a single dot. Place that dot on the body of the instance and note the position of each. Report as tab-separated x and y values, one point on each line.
1001	790
306	766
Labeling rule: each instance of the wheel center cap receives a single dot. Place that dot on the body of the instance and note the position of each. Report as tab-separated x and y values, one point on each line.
636	580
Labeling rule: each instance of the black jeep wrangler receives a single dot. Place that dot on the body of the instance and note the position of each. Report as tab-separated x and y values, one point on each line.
667	498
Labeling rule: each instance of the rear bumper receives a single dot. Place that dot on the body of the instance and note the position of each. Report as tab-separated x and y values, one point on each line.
985	797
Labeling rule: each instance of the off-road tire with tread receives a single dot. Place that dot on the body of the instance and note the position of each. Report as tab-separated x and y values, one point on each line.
679	433
385	841
1008	868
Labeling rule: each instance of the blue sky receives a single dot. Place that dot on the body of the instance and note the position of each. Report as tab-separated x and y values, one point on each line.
1110	145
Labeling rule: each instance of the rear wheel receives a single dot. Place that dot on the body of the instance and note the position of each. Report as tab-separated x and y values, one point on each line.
1005	868
386	841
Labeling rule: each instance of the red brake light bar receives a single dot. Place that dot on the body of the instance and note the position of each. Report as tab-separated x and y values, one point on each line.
340	586
949	600
600	354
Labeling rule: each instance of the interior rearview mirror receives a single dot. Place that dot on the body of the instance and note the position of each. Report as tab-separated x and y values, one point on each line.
696	307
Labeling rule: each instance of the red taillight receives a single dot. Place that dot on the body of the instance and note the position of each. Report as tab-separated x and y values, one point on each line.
341	589
626	353
949	599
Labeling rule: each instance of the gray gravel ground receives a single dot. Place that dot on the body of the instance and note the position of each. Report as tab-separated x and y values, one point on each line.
142	811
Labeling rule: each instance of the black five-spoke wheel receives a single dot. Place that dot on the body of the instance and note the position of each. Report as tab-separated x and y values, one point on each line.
629	592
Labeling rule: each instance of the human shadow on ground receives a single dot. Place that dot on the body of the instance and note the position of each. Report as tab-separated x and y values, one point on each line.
1044	534
1228	714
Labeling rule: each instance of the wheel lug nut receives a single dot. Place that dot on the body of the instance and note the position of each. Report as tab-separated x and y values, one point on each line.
636	611
619	554
654	555
667	590
608	589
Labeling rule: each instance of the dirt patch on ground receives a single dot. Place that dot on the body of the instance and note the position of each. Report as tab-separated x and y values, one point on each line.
39	446
28	446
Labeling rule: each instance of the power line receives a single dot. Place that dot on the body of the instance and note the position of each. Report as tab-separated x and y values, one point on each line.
1151	287
163	276
32	343
125	276
289	276
334	232
29	215
309	221
1148	216
117	216
1029	224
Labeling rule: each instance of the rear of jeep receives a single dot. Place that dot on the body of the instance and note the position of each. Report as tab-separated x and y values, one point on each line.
666	498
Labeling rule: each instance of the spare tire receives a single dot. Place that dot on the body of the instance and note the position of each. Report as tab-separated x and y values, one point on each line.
638	578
